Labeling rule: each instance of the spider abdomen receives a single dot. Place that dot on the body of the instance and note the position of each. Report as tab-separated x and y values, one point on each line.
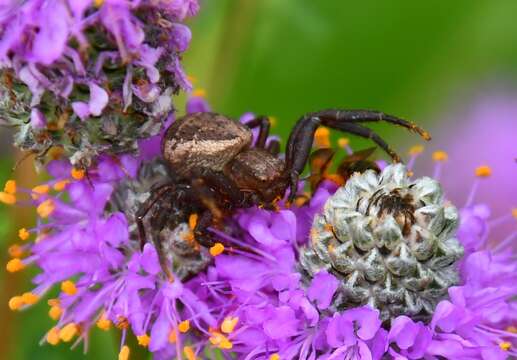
203	141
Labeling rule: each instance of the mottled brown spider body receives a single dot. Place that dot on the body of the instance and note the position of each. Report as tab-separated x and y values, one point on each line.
216	167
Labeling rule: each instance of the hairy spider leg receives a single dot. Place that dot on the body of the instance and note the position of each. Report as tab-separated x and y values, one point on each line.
264	125
273	147
300	141
360	116
201	229
156	195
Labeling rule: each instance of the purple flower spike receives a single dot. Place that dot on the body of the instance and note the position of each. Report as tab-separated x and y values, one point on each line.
123	54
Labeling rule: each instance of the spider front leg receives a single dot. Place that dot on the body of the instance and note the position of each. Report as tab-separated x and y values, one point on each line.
155	196
264	125
201	229
300	141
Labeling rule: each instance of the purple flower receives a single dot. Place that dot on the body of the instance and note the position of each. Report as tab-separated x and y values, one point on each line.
114	63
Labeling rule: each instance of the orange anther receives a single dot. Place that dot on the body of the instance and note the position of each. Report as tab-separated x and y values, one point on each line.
143	340
192	221
124	353
14	265
77	174
23	234
440	156
483	171
217	249
184	326
10	187
46	208
68	287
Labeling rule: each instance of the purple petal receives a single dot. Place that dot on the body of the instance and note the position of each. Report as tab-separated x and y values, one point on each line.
81	109
403	331
50	41
181	36
282	323
98	99
38	120
322	289
149	260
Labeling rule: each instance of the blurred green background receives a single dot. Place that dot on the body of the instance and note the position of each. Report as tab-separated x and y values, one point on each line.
284	58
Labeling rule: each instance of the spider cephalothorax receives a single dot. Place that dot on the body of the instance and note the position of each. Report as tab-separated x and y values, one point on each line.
216	167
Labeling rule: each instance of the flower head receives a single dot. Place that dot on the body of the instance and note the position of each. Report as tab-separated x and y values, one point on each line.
90	76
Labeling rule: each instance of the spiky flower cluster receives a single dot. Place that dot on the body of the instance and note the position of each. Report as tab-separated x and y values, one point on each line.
390	241
90	77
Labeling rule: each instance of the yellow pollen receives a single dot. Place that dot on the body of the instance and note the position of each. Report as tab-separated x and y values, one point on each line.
104	323
143	340
60	185
39	190
217	249
322	137
342	142
483	171
46	208
55	312
173	337
23	234
15	251
415	150
221	341
274	357
16	302
30	298
124	352
440	156
514	213
68	332
77	174
14	265
189	353
6	198
228	324
68	287
273	121
10	187
184	326
505	346
53	336
192	221
199	93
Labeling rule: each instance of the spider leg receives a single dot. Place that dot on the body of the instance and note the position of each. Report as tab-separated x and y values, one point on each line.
300	141
156	194
159	221
360	116
222	185
264	125
200	230
273	146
